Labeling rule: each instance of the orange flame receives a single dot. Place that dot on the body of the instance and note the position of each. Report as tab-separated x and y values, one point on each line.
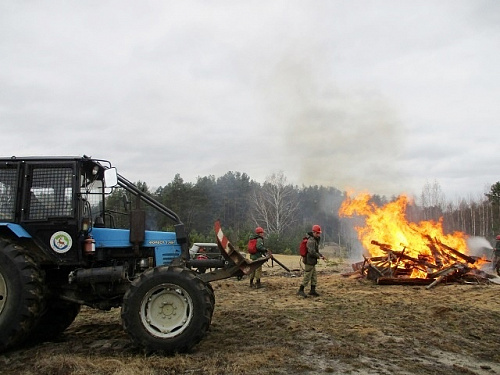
388	225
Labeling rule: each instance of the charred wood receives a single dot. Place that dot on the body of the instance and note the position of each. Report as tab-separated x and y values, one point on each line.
448	271
467	258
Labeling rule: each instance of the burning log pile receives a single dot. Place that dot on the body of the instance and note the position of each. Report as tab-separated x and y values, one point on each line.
409	253
398	268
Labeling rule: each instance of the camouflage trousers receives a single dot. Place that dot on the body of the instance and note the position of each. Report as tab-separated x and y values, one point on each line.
256	274
309	275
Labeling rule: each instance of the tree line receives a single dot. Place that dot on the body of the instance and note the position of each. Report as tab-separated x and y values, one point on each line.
287	211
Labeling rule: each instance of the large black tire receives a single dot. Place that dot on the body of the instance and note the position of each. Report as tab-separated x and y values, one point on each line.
167	310
212	298
21	294
58	316
212	293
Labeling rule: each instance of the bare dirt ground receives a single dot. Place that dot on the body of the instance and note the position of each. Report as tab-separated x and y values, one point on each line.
354	327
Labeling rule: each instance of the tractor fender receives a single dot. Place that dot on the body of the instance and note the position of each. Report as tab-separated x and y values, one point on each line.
16	230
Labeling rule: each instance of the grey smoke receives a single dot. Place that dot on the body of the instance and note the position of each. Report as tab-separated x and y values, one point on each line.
346	139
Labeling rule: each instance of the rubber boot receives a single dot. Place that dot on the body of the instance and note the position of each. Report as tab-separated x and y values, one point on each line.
258	285
301	292
313	291
251	283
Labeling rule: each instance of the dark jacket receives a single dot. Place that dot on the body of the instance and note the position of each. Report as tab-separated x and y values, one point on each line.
313	253
261	248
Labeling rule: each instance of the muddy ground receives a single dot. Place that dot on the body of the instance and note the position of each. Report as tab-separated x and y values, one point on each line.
354	327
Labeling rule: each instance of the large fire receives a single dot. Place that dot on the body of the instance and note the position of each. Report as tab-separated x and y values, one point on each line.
386	229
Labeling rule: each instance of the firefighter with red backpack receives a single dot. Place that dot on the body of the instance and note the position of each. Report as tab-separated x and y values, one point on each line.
257	249
310	260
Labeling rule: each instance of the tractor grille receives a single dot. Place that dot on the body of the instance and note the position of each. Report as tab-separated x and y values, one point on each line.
8	188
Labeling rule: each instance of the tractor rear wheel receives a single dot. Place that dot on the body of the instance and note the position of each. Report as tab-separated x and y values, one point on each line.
167	310
21	294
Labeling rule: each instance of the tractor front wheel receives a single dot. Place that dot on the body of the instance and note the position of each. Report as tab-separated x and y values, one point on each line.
167	310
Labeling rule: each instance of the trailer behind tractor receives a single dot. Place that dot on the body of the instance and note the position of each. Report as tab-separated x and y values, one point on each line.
60	249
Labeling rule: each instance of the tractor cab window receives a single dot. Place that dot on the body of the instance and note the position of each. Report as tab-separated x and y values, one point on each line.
92	197
50	193
8	188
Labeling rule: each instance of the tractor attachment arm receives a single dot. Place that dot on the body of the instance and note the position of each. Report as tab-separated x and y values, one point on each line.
240	265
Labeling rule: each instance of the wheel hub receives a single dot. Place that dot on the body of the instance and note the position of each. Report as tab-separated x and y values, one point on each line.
166	310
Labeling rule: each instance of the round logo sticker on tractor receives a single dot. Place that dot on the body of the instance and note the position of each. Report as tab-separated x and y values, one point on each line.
61	242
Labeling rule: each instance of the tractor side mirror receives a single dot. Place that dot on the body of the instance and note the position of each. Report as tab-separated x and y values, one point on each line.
110	177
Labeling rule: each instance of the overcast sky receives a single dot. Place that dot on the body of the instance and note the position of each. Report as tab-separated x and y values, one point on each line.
380	96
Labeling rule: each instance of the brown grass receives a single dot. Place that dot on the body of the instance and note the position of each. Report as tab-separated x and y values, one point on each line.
355	327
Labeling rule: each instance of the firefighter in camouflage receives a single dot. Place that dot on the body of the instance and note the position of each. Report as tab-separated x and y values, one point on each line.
261	251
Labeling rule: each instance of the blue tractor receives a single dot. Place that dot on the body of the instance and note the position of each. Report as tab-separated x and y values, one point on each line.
60	248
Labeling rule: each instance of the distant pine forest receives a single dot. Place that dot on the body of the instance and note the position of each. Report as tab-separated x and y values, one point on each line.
287	212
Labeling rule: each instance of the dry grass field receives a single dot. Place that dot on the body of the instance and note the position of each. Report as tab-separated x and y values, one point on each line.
354	327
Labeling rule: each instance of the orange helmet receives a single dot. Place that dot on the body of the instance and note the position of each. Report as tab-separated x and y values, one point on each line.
316	228
498	237
259	230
